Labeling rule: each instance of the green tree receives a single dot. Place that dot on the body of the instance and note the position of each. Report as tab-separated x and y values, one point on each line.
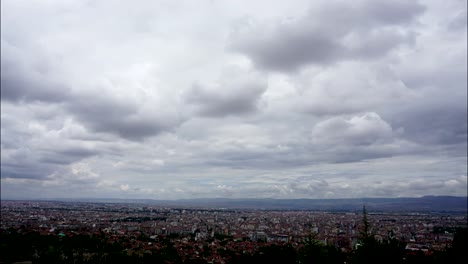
315	252
370	250
456	253
365	232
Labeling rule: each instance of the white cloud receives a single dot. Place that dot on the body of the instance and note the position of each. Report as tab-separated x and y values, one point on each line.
365	129
124	187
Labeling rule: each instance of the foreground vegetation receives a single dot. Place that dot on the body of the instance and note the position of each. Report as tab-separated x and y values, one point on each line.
32	246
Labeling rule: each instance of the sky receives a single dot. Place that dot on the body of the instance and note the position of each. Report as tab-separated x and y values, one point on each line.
235	99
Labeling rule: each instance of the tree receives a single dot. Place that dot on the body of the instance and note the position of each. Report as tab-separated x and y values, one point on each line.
315	252
370	250
456	253
365	232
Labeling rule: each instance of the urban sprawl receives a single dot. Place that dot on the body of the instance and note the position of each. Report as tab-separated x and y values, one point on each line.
195	230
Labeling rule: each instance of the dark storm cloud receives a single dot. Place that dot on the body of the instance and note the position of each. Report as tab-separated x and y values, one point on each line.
329	33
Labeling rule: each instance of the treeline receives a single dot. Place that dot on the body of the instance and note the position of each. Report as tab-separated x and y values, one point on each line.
31	246
370	251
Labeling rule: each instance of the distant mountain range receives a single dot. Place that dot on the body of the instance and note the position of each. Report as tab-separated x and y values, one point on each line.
420	204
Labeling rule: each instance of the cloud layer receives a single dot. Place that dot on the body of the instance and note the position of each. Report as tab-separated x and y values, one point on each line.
168	100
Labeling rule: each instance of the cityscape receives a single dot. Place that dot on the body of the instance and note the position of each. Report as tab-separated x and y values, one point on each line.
234	132
220	235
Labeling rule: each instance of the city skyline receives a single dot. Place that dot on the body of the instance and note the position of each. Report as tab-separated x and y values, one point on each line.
207	99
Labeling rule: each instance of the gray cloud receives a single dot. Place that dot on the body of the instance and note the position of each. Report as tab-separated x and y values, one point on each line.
97	109
24	170
459	22
286	50
297	100
23	163
434	124
363	29
122	118
236	92
38	162
67	156
23	80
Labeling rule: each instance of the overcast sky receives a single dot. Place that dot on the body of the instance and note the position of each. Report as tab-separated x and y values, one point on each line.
259	99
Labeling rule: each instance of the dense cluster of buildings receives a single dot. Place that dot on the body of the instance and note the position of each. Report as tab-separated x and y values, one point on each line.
195	231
